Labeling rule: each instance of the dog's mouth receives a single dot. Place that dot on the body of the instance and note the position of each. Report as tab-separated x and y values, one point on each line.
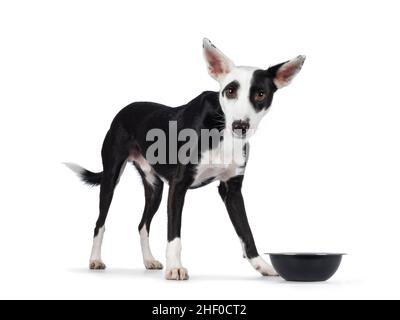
239	134
243	134
241	128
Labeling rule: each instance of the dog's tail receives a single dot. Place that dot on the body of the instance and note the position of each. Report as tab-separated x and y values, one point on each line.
88	177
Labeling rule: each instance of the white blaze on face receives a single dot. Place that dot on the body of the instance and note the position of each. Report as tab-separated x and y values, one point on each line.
222	69
240	108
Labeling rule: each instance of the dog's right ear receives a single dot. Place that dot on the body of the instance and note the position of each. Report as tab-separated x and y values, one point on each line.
218	64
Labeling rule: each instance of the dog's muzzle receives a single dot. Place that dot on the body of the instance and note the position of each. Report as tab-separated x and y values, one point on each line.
240	128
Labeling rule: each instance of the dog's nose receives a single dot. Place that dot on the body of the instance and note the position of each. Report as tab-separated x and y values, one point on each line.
240	127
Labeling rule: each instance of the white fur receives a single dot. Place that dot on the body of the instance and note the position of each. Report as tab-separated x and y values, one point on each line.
261	266
224	71
174	249
174	269
241	107
223	162
79	170
149	261
96	248
150	178
145	166
75	168
144	242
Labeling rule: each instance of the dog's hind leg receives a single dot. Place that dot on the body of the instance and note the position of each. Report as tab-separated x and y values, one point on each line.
114	161
153	189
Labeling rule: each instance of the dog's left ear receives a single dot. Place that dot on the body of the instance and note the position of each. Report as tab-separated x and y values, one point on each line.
283	73
218	64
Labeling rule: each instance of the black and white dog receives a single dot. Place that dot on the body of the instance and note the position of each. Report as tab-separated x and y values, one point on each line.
235	111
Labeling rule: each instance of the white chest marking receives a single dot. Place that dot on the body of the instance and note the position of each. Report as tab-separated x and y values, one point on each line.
222	163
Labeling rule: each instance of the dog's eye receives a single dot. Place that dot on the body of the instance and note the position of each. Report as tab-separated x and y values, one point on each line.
231	92
260	96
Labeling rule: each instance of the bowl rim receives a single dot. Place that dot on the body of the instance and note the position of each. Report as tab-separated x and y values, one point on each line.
328	254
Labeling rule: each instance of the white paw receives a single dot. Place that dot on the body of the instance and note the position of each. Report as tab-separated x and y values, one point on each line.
261	266
268	271
177	274
153	264
97	265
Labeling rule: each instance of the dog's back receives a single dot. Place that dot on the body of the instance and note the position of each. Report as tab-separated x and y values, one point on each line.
235	111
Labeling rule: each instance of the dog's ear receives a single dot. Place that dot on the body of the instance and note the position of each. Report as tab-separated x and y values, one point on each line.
218	64
283	73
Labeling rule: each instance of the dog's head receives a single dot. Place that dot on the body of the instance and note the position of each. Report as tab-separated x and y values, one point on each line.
246	92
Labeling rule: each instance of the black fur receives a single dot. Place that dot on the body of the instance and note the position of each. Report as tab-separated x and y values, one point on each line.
152	195
231	194
91	178
126	138
262	81
234	85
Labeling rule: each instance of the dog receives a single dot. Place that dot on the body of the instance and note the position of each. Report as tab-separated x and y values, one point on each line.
235	111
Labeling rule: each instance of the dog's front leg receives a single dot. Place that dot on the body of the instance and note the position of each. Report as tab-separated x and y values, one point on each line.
231	194
176	197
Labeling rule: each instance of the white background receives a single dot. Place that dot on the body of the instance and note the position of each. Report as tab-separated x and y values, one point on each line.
324	169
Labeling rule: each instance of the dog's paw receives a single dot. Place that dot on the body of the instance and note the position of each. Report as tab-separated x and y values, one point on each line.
97	265
177	274
268	271
264	268
153	264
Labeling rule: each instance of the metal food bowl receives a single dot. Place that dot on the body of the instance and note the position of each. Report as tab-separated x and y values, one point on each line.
293	266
